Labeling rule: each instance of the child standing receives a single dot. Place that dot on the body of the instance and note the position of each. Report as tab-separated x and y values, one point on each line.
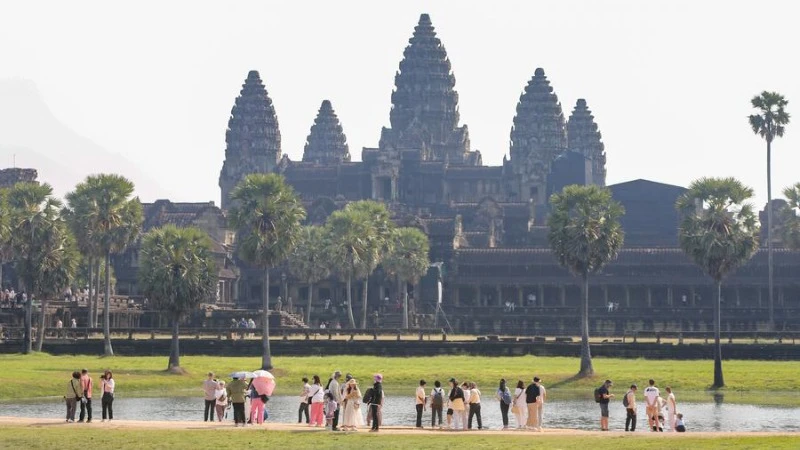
330	409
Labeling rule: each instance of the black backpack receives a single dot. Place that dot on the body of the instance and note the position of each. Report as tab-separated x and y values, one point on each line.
598	396
369	396
625	400
437	400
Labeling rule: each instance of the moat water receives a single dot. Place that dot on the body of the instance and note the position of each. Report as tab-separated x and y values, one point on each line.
399	411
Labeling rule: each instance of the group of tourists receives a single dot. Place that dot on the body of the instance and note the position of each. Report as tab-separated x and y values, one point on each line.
655	405
79	391
337	405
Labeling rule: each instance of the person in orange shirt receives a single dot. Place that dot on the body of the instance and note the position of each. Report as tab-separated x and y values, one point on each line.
86	401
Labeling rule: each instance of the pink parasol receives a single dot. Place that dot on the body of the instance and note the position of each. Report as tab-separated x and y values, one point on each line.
264	385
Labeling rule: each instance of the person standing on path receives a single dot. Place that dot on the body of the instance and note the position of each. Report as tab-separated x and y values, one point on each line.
531	398
540	403
651	395
317	394
457	405
672	408
237	393
421	400
504	396
605	398
474	406
209	387
630	409
519	408
107	385
377	401
333	388
86	402
437	403
73	395
221	400
305	401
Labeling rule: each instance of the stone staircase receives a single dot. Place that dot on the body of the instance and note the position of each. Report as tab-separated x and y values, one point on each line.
291	320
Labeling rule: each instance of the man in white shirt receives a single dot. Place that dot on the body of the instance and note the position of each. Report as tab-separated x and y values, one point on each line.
651	395
474	403
209	389
421	400
333	388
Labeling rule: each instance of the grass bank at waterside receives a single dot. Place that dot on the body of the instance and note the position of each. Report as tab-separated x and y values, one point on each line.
757	382
46	434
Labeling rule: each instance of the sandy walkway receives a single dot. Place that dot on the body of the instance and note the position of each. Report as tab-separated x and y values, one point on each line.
184	425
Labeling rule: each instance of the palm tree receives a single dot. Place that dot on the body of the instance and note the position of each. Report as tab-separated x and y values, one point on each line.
790	232
33	216
719	232
102	207
267	214
769	123
88	246
349	249
177	273
5	231
309	261
585	234
58	260
379	242
408	261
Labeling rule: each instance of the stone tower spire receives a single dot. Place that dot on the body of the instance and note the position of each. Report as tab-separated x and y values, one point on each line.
537	137
253	138
583	137
326	143
425	103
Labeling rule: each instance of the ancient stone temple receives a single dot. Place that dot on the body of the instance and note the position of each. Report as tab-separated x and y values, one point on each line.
583	137
253	138
326	143
13	175
487	224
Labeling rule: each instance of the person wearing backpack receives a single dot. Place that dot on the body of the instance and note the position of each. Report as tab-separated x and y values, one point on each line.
437	403
504	396
603	397
629	402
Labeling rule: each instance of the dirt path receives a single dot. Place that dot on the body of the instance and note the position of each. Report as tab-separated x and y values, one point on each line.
185	425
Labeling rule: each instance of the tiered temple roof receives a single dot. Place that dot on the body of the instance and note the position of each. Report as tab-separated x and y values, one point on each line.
539	133
326	143
584	137
425	103
253	138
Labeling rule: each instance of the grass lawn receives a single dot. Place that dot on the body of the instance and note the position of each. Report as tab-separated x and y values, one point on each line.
41	375
66	438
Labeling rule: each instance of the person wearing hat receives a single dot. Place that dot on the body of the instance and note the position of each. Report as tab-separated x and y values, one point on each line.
421	400
630	409
352	406
605	397
333	388
377	401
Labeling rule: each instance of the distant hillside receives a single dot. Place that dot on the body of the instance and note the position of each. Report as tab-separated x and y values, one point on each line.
63	158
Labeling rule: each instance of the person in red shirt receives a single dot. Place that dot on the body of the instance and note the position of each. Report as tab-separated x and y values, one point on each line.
86	401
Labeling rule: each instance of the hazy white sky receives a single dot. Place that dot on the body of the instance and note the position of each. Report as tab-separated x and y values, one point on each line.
669	82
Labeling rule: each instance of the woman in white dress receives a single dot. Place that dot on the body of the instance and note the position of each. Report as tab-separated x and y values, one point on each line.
519	407
352	406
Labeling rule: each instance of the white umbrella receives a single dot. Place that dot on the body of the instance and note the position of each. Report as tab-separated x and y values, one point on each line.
262	374
242	375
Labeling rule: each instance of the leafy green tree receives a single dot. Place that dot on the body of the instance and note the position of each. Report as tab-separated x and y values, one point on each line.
103	207
408	261
790	232
89	248
770	122
309	262
378	240
5	233
349	249
37	238
177	273
719	232
585	234
267	214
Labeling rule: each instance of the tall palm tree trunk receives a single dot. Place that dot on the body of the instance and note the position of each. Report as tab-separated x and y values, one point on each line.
42	323
95	292
89	299
769	236
586	353
27	346
174	348
310	299
402	289
350	302
266	354
364	297
718	379
107	350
